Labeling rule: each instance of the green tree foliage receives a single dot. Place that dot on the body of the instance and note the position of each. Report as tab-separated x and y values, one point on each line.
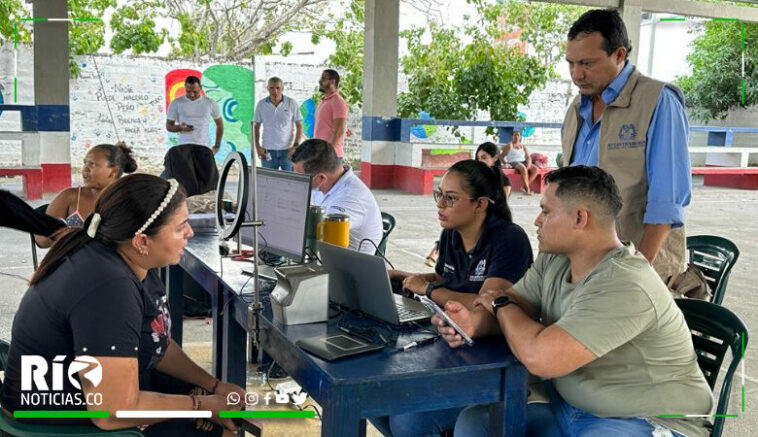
346	31
11	12
86	37
208	29
134	28
457	72
238	29
715	85
543	25
450	79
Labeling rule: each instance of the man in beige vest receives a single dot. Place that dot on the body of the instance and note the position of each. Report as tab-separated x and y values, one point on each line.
635	128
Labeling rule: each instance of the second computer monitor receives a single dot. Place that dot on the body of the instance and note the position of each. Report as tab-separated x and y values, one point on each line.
283	201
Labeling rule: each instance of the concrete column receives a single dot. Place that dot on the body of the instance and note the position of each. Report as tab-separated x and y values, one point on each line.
631	13
51	92
380	67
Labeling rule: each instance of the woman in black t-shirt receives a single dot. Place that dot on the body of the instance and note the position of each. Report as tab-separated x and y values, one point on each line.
480	249
487	153
96	308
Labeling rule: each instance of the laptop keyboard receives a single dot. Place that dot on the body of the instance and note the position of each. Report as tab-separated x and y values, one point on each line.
404	313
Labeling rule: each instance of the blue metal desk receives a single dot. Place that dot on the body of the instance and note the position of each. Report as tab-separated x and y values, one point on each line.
376	384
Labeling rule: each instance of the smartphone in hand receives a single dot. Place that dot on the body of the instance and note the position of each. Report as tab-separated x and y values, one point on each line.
432	306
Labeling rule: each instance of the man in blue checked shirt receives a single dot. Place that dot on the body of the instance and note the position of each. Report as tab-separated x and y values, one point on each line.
635	128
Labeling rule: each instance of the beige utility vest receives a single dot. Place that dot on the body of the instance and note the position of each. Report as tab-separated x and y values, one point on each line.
621	150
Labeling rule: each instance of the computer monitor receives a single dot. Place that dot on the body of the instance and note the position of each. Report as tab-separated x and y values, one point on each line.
283	202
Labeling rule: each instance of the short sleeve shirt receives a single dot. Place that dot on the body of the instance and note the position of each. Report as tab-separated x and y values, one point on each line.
195	113
503	251
156	322
329	110
624	314
278	122
350	196
91	304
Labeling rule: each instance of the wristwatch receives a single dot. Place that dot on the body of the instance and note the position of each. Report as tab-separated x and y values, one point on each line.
500	302
431	287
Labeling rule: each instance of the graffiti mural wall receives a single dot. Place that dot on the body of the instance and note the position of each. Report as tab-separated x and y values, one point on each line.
120	97
231	87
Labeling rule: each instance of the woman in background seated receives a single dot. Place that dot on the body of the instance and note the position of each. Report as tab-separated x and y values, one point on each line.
517	157
93	298
103	165
480	249
488	154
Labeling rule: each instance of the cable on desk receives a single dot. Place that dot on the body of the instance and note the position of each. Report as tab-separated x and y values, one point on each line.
314	409
377	250
281	374
353	322
424	328
248	297
313	253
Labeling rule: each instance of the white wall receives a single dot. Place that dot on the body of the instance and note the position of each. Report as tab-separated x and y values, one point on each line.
135	89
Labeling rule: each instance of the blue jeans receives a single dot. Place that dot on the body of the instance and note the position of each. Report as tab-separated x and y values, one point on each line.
559	419
430	423
278	160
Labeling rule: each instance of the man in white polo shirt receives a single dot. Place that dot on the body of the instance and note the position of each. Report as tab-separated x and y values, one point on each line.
277	113
339	190
188	116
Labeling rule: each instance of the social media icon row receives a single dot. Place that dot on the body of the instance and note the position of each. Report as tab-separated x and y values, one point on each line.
252	398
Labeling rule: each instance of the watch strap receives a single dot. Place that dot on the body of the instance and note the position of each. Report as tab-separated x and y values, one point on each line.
431	287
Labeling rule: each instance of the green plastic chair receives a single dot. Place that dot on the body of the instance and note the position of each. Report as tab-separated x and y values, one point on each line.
714	330
17	429
715	257
388	224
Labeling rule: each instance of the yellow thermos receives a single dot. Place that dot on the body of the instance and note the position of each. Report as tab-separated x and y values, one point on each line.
335	229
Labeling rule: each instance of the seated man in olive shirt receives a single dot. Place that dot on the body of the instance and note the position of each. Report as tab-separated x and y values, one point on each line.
593	318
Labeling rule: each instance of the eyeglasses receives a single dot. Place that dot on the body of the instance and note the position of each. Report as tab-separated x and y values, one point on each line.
448	199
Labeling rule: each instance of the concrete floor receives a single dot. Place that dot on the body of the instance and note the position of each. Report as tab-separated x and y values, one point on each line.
725	212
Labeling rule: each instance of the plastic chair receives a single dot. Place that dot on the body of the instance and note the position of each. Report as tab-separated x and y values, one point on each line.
714	330
388	224
42	209
715	257
17	429
193	166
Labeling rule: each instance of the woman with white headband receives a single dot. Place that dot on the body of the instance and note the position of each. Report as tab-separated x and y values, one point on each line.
97	299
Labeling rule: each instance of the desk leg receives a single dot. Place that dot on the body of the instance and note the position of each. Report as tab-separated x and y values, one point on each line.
340	418
217	349
175	290
234	346
509	418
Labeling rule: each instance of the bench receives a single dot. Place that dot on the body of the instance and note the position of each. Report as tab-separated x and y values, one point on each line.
745	178
725	156
537	185
420	180
33	179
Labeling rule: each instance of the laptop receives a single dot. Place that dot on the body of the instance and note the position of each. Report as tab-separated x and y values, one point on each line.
360	281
